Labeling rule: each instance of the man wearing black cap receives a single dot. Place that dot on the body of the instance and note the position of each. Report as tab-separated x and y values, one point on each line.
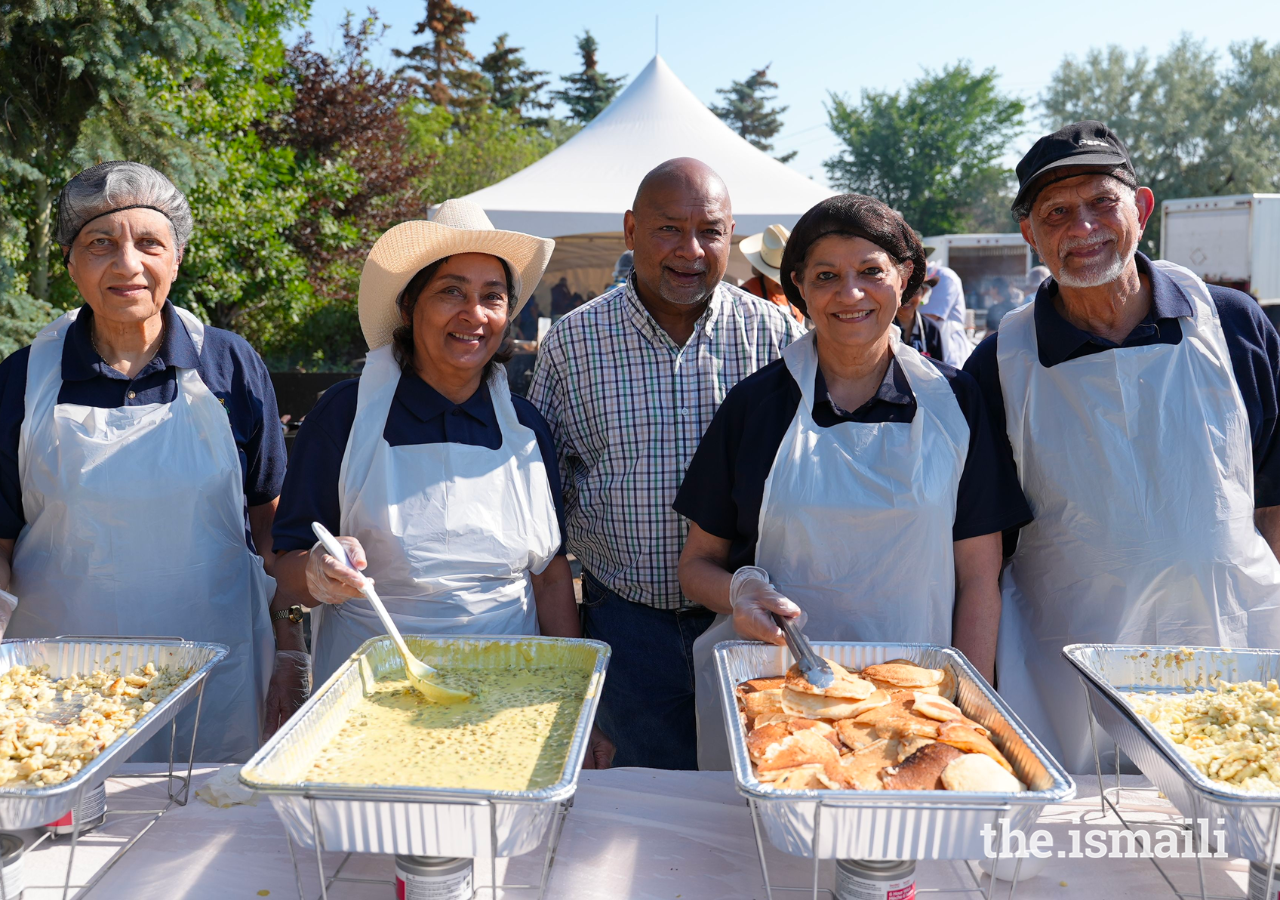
1141	408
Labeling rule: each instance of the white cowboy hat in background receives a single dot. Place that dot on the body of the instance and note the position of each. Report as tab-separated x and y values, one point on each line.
459	226
764	250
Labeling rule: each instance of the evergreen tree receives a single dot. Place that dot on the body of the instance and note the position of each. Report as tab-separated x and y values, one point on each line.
443	66
588	92
746	111
513	85
76	88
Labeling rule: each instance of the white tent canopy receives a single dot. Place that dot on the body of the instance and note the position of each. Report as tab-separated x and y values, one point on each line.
584	186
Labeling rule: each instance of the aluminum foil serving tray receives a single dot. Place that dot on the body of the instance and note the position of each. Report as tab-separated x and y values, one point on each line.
419	821
891	824
27	807
1109	671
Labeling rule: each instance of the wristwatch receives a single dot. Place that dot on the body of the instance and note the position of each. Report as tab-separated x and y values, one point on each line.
293	614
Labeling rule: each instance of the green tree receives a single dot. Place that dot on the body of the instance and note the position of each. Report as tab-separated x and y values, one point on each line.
442	65
512	84
311	176
932	152
746	110
1193	126
588	92
76	87
21	315
494	144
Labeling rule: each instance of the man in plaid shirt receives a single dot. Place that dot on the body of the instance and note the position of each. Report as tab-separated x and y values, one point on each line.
628	384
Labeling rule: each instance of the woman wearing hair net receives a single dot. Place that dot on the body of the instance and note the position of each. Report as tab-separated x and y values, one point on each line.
141	458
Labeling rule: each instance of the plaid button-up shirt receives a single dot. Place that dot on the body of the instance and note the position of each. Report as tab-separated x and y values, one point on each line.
627	408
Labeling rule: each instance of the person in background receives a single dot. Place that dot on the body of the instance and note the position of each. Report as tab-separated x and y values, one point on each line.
621	270
1036	277
1140	405
853	479
946	307
1008	298
141	457
920	332
526	325
561	298
764	252
628	383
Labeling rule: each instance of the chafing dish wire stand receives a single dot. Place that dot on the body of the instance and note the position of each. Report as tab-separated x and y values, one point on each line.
888	824
412	820
1105	670
79	655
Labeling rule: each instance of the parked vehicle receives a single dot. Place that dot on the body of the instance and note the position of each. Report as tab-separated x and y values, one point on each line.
1232	241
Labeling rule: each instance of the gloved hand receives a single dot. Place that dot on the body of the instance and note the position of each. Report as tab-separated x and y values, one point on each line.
753	598
290	687
8	603
333	581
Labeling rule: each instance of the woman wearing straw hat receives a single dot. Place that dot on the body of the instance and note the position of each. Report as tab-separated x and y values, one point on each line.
764	252
439	481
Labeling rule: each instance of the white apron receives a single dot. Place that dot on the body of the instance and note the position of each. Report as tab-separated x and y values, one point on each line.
135	527
1138	466
855	526
450	531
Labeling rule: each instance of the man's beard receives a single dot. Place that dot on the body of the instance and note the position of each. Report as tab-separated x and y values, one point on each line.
1098	272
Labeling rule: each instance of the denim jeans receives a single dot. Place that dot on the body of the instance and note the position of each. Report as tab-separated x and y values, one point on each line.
647	707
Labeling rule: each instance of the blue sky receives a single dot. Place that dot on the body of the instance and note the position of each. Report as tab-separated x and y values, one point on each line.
816	47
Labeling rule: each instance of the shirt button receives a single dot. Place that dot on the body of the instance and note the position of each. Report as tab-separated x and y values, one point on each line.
131	394
457	412
684	411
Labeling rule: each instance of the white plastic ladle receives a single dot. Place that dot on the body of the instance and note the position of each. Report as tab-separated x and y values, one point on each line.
419	673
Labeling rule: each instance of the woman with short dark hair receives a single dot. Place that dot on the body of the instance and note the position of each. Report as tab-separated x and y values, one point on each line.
854	479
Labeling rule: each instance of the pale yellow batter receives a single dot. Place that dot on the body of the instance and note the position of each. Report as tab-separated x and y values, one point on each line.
513	735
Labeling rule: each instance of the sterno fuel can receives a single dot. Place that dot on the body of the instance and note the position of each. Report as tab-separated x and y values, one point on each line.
13	877
433	878
90	814
1258	882
875	879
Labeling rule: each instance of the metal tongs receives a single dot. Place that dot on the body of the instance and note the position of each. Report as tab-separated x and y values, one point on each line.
812	666
419	674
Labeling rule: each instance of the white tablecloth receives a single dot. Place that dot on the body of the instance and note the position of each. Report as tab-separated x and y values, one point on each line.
632	833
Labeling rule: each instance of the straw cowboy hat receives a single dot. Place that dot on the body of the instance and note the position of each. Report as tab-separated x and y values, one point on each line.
764	250
459	226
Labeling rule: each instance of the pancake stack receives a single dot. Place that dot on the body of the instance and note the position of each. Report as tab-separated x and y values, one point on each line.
892	726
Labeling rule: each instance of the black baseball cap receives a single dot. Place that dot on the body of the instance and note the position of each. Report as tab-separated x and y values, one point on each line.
1088	145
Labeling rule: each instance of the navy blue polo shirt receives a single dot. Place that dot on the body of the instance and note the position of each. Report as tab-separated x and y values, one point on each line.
724	484
926	336
1252	344
419	414
228	366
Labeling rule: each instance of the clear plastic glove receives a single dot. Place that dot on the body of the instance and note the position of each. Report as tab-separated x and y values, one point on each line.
224	789
289	689
8	603
333	581
753	598
600	750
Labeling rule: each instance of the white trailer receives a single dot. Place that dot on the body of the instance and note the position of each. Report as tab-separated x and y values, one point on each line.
1233	241
979	259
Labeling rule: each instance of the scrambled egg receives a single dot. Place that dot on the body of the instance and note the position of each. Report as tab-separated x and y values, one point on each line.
50	729
1232	734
